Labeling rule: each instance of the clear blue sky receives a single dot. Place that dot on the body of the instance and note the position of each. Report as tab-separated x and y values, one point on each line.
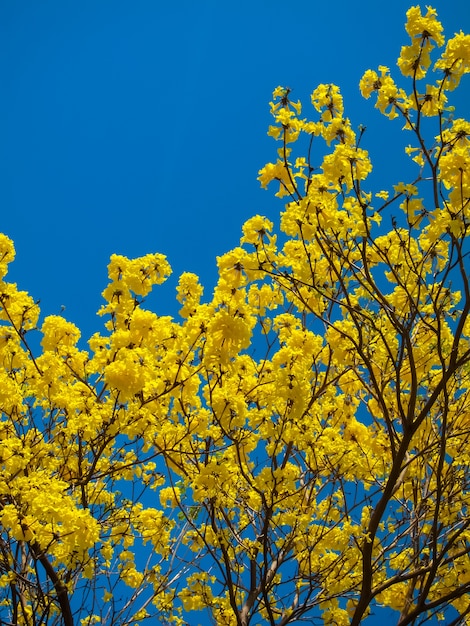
140	126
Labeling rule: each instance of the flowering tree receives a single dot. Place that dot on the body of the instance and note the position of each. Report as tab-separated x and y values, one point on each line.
296	448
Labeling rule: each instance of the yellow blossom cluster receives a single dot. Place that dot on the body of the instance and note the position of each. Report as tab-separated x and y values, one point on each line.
294	447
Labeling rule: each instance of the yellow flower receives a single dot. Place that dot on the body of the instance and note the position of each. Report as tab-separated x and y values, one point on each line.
256	229
59	334
424	27
328	101
7	254
455	60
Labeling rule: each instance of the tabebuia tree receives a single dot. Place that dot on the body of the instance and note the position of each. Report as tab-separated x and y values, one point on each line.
294	449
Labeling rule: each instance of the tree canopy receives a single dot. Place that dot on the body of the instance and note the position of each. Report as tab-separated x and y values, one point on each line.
295	447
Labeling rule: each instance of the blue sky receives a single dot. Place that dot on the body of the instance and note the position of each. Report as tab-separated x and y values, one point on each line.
136	127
